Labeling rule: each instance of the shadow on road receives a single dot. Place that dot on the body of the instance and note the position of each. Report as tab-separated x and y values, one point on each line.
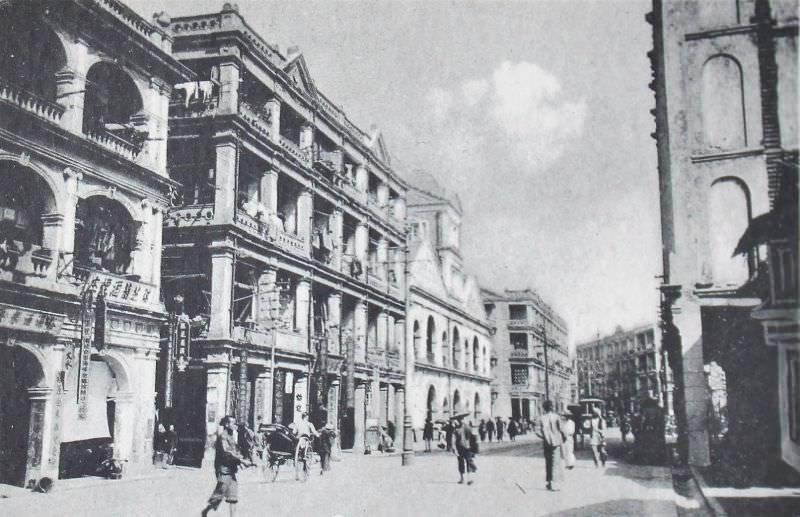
615	507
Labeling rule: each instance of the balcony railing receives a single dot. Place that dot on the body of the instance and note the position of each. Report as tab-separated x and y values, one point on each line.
195	215
376	357
114	143
292	149
519	322
26	259
333	161
255	118
393	360
254	336
519	353
30	102
291	243
194	109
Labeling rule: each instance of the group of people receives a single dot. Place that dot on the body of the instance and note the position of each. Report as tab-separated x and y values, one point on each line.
558	440
239	446
487	429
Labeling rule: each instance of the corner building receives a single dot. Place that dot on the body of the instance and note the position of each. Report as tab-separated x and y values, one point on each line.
725	83
525	323
84	90
286	236
450	333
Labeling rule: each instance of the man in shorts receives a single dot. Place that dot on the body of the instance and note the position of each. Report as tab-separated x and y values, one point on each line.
226	463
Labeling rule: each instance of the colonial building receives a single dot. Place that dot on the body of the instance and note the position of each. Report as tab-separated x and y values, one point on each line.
286	236
725	83
84	89
446	323
525	373
624	368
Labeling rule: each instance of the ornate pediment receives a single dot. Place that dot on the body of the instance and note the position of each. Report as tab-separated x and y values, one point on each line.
297	71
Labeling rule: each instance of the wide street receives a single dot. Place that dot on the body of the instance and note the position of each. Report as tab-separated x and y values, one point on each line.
510	481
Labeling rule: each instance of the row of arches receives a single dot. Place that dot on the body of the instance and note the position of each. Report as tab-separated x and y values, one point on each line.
34	58
104	235
440	349
435	410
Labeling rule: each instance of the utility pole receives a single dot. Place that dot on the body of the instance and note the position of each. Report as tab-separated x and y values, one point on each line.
407	456
546	366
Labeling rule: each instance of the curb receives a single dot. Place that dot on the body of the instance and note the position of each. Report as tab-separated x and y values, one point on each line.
703	488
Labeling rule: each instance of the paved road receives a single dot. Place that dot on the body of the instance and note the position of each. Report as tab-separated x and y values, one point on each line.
510	481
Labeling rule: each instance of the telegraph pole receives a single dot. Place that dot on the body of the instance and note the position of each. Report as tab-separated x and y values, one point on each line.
546	366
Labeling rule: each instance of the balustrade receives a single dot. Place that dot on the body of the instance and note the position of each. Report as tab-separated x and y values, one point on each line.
30	102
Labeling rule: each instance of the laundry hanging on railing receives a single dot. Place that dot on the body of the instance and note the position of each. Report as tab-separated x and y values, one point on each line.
200	91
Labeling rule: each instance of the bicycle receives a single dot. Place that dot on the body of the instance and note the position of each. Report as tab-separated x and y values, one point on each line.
303	459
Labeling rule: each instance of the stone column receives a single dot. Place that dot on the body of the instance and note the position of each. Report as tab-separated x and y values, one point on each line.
225	181
266	299
360	416
263	396
383	403
337	225
302	297
300	397
361	244
304	213
269	190
399	209
306	136
229	88
360	330
274	109
383	195
156	105
66	241
333	402
155	243
221	278
334	322
362	178
39	398
216	398
71	85
124	419
383	258
383	331
399	409
400	340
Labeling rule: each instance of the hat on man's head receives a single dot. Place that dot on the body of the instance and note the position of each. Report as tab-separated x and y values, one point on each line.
461	415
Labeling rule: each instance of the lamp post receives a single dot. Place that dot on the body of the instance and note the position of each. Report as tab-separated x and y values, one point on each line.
543	330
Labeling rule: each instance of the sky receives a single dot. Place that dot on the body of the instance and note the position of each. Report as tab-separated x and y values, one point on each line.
535	112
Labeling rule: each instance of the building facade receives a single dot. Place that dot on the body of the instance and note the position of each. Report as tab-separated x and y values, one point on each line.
286	236
725	83
84	89
624	369
524	373
446	324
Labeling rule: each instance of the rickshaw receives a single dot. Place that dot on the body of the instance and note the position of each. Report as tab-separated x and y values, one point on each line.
585	412
279	445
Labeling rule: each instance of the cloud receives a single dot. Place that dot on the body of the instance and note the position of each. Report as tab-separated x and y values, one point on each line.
519	110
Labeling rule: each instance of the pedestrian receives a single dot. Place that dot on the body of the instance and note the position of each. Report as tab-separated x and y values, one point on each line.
245	440
568	426
624	427
427	434
226	463
449	428
326	437
512	429
500	426
390	428
482	430
596	438
172	444
549	430
161	447
320	416
490	429
464	446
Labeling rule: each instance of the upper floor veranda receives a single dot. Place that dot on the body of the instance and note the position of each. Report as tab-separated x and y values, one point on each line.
90	72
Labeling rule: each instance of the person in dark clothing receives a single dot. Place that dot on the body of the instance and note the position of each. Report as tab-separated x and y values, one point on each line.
326	437
391	430
490	429
245	441
500	426
463	441
482	430
172	443
512	429
427	434
448	435
549	430
226	463
320	416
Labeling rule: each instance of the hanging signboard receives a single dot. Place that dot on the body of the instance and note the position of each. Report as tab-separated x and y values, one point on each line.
101	313
172	335
85	356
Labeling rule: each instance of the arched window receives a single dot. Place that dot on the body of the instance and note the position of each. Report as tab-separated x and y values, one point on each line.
431	404
456	353
24	199
729	215
431	335
477	406
111	104
445	352
104	235
476	355
417	339
465	365
456	402
30	52
445	408
723	112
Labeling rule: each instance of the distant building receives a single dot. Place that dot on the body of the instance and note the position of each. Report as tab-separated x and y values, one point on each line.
725	83
524	324
447	325
624	368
